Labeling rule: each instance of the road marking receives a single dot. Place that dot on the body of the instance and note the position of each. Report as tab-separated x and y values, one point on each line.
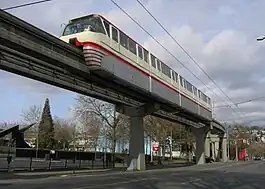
117	183
223	166
192	181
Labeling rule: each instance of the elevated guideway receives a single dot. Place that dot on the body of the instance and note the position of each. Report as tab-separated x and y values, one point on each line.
28	51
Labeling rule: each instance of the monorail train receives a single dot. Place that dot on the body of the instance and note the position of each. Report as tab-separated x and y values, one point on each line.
98	37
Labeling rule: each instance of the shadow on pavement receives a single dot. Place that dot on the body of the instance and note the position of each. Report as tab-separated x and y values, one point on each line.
206	179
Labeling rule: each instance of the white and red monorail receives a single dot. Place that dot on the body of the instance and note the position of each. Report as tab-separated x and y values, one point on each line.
99	37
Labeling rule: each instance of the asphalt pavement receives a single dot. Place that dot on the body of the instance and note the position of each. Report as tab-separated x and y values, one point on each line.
241	175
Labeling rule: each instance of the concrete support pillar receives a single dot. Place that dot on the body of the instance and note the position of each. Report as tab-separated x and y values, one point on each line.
200	134
136	159
207	147
213	150
224	150
217	154
136	137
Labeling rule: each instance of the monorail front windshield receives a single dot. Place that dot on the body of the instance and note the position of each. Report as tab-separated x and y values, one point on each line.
91	23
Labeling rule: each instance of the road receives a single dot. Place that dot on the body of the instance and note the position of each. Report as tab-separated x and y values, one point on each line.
247	175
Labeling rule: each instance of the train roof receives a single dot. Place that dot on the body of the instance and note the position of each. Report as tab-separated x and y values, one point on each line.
85	16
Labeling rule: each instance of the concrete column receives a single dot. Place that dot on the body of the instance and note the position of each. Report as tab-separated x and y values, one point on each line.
136	159
136	137
217	154
213	150
200	135
224	150
207	147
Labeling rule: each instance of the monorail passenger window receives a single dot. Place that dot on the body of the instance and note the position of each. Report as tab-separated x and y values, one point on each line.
165	69
132	46
158	63
123	40
188	86
181	80
176	77
199	93
146	56
173	75
140	52
195	91
153	60
115	34
107	27
209	100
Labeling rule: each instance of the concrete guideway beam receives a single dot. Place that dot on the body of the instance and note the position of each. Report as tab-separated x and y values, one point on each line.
136	159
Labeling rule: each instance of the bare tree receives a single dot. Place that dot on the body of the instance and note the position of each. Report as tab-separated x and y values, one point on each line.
64	132
115	123
159	130
5	125
90	129
32	115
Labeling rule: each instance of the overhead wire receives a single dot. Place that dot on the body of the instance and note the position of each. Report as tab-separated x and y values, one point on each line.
186	52
43	1
241	102
136	22
26	4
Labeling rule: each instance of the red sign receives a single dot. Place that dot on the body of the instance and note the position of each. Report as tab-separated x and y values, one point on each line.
155	147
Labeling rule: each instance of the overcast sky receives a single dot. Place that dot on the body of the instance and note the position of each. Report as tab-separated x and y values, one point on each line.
220	36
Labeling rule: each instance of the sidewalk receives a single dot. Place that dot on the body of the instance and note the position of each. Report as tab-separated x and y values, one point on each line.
35	175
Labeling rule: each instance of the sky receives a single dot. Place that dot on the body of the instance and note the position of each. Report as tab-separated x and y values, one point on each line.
219	35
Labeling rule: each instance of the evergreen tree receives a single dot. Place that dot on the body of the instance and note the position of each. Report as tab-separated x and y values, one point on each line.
46	128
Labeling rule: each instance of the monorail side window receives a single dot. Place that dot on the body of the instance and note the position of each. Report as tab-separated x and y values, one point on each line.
146	56
115	34
107	27
195	91
176	77
165	69
140	52
123	40
132	46
188	86
158	63
173	75
153	60
181	80
92	24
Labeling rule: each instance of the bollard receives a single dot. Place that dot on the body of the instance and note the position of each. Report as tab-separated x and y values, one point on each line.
30	164
65	164
9	159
